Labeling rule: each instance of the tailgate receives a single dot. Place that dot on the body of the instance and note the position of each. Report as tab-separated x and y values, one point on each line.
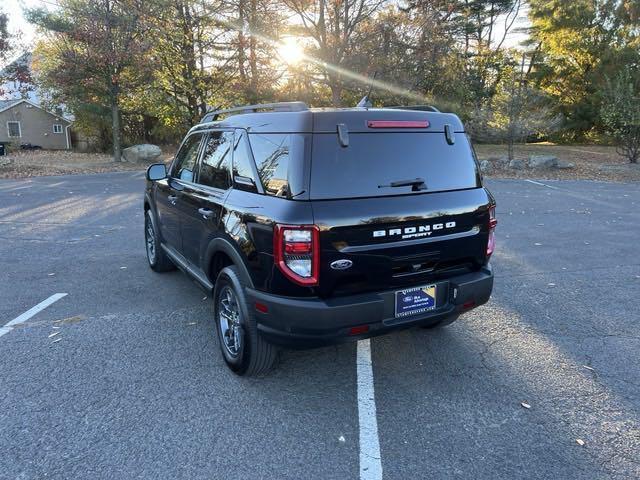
398	241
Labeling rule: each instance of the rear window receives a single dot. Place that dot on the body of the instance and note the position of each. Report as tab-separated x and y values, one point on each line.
372	161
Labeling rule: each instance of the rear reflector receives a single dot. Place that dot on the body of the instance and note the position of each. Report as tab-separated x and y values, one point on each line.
359	330
261	307
397	123
469	304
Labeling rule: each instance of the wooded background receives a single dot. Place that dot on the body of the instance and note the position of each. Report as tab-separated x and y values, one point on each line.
146	70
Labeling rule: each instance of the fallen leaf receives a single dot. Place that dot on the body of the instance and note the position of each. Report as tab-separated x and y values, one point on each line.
525	405
580	442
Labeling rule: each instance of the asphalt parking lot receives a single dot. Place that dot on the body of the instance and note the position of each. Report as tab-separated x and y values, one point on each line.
122	377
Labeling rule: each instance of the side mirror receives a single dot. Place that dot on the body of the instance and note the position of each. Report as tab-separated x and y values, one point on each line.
157	171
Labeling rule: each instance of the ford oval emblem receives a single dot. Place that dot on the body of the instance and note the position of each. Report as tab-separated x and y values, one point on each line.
341	264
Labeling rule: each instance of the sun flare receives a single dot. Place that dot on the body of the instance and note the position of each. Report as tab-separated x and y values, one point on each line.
290	51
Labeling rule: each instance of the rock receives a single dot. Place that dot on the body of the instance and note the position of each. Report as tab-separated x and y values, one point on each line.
501	161
141	153
542	161
516	164
564	165
486	166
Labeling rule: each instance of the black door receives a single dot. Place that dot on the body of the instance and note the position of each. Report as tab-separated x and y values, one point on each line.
168	192
202	201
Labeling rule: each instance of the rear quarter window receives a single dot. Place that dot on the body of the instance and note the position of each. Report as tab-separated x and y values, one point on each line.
372	161
279	161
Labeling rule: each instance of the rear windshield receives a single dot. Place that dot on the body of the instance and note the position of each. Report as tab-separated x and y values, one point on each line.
373	161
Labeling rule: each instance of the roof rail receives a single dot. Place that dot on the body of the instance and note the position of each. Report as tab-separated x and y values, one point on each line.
213	115
422	108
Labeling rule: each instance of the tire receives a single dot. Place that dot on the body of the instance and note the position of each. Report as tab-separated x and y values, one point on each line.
442	323
156	256
243	348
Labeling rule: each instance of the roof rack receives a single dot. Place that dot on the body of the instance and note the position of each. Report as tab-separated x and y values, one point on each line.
213	115
422	108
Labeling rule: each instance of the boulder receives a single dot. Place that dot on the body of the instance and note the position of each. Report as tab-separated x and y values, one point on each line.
486	166
143	153
516	164
562	164
542	161
501	161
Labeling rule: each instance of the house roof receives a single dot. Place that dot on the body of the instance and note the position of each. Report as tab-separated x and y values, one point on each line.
4	104
7	104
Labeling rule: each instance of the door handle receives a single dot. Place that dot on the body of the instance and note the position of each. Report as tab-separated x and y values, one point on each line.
172	199
206	213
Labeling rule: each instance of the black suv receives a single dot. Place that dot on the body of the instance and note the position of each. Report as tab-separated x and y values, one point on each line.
315	226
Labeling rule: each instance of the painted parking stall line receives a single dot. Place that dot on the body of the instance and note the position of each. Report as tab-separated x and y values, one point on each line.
31	312
370	461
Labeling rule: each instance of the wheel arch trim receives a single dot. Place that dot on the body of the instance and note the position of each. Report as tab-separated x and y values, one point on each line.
220	244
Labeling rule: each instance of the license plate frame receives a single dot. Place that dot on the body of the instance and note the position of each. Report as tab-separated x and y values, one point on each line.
415	300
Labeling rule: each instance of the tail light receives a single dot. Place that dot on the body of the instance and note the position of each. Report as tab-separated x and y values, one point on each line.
491	243
296	249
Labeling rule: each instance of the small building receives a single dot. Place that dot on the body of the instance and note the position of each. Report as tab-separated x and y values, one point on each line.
22	121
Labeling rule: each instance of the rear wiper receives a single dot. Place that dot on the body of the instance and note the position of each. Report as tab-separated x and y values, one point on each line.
416	184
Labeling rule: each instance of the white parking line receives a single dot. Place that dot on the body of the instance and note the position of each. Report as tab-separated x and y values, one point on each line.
31	312
542	184
370	461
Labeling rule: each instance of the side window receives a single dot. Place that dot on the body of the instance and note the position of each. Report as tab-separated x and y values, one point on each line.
271	152
243	176
187	157
216	161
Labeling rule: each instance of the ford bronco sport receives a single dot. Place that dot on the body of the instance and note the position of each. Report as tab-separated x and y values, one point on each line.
313	226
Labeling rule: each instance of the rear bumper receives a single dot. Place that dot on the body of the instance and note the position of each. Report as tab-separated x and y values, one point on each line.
310	322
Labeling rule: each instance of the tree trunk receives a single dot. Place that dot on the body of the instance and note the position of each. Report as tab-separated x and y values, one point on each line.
115	129
253	55
336	94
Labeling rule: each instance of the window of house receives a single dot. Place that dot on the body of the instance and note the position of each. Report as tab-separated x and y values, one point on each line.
14	130
57	128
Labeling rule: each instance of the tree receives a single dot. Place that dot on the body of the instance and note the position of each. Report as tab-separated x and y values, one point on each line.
5	36
188	69
621	112
99	49
581	43
516	112
17	77
259	25
334	27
